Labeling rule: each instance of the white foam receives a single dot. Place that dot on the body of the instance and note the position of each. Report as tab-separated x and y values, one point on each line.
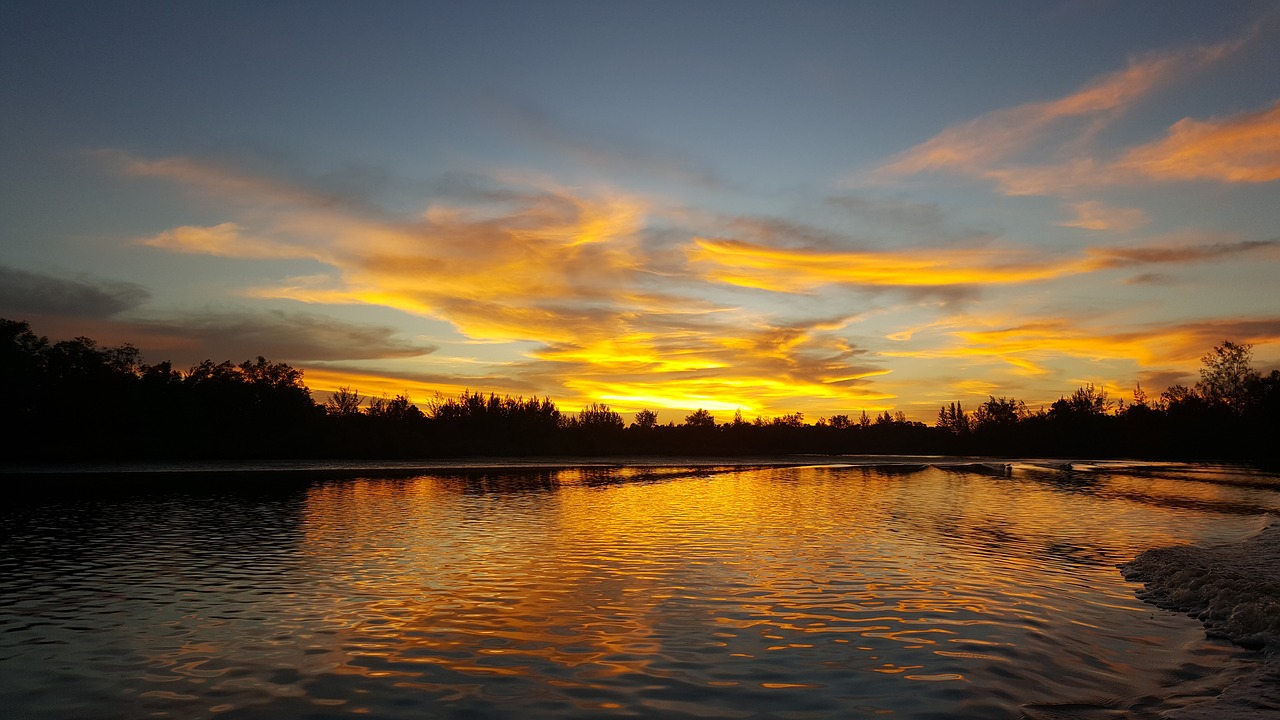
1235	591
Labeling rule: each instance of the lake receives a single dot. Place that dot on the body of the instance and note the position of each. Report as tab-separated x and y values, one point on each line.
895	587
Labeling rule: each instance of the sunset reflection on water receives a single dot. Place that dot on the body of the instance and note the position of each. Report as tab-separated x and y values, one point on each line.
664	590
707	591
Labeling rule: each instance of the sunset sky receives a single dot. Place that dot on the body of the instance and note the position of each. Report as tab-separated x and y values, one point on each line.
773	207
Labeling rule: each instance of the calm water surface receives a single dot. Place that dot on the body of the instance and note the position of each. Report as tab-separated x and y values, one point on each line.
790	592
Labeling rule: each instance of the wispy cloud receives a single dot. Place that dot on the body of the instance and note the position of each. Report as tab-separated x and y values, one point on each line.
224	240
1123	257
1047	147
1093	215
611	153
1243	148
974	147
893	213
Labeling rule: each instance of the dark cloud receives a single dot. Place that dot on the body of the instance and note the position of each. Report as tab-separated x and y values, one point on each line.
280	336
1150	279
1246	330
1157	381
24	293
609	152
778	232
922	217
1127	257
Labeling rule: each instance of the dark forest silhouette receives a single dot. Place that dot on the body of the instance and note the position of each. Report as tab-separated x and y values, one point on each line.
75	400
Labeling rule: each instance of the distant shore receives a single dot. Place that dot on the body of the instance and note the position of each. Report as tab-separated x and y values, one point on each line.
196	471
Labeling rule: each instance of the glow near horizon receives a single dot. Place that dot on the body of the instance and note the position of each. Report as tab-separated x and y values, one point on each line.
1109	223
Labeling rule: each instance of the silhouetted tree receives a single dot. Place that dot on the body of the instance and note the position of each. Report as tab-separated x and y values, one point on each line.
794	420
76	399
597	415
700	419
399	408
343	402
1227	376
953	419
1139	396
1002	412
1085	401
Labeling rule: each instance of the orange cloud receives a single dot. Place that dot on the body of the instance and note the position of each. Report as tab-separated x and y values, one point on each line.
1098	216
1243	148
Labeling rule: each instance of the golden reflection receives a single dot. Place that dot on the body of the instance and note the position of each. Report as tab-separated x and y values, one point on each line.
591	575
626	557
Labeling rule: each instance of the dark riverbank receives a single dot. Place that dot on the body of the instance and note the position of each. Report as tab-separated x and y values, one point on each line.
74	401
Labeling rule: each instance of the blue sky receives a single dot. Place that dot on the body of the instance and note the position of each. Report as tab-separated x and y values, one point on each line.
823	207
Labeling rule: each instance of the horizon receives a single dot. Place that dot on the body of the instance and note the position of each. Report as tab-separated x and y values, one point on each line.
808	208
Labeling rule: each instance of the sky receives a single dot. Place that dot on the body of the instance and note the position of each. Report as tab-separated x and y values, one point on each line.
825	208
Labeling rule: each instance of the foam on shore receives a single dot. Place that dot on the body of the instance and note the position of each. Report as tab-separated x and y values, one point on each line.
1234	590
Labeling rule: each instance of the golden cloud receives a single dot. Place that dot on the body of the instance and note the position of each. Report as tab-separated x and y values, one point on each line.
803	270
1030	345
561	268
602	312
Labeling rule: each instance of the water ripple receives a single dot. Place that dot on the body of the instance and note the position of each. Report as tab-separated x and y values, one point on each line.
616	591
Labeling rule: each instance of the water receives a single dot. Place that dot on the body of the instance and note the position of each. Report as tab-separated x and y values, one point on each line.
633	591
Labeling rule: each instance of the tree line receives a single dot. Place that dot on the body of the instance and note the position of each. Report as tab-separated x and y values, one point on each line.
76	400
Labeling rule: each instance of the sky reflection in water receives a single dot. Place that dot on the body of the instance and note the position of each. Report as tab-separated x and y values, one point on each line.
711	592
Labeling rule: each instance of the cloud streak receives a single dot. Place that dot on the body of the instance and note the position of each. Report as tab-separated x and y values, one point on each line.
613	153
787	270
24	293
283	336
